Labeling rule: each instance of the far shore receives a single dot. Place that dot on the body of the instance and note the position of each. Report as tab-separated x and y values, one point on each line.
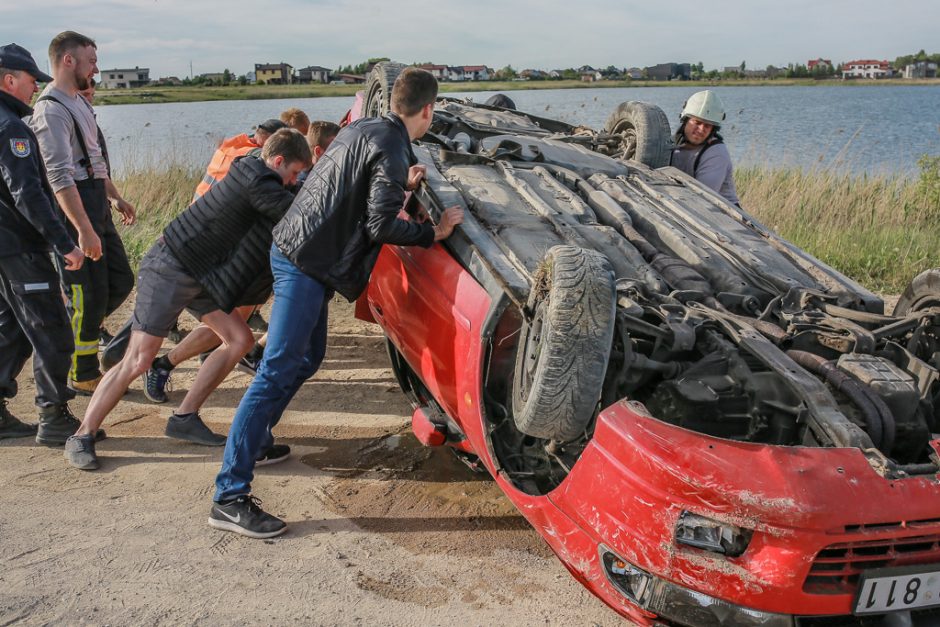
150	95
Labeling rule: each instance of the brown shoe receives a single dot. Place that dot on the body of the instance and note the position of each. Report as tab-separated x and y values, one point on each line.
84	388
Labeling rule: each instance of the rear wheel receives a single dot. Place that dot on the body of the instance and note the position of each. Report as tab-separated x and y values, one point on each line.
644	133
564	348
379	89
923	292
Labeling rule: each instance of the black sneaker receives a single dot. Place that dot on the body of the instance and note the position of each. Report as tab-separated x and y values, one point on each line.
247	365
273	454
256	322
191	428
244	515
80	452
155	384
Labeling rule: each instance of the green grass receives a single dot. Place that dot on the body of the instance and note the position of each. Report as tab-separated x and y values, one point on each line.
159	196
880	230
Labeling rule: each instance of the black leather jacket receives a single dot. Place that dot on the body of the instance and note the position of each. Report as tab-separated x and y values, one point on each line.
30	219
224	238
349	205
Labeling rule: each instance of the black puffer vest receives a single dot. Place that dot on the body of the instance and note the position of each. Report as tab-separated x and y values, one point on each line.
224	238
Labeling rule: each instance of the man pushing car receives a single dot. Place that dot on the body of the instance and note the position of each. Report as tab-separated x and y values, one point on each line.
327	242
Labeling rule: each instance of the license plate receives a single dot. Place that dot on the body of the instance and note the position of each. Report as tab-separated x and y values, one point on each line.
895	589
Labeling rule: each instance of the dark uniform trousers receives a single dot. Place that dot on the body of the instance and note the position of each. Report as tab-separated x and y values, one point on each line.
98	288
33	321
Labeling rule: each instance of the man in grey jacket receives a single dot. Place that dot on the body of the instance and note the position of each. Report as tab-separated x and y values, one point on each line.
65	126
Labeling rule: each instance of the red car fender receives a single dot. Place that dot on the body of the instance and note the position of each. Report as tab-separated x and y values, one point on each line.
443	307
638	474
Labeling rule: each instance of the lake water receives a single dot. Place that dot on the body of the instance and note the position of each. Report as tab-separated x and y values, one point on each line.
873	129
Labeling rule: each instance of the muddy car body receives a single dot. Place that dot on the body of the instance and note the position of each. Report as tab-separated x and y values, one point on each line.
706	424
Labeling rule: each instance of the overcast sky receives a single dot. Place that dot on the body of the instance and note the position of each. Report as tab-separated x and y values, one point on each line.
166	35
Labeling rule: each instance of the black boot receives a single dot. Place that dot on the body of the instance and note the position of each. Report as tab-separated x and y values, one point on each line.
13	427
57	423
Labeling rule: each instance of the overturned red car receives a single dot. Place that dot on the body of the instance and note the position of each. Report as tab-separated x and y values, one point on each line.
706	424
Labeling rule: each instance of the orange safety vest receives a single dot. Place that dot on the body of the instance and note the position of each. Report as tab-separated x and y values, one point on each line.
226	153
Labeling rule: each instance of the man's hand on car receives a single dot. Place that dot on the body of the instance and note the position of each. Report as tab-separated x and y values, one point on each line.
450	217
415	174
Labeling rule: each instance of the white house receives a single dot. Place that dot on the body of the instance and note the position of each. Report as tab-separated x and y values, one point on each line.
867	68
120	78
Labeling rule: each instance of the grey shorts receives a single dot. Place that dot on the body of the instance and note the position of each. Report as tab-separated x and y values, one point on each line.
164	290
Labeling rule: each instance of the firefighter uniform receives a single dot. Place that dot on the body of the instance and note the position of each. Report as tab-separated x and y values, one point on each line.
68	138
33	319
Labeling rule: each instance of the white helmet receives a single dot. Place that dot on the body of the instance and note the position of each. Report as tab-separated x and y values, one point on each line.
704	105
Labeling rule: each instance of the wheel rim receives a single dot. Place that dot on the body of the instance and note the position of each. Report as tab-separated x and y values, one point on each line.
533	351
376	99
628	139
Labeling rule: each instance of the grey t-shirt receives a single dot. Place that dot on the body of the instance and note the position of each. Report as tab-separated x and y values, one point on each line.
58	141
714	170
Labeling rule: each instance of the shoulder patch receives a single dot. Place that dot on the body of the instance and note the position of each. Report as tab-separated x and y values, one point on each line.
20	147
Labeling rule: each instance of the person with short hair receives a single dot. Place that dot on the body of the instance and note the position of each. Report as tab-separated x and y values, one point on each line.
202	339
319	137
33	319
296	119
65	126
700	151
127	210
328	241
205	259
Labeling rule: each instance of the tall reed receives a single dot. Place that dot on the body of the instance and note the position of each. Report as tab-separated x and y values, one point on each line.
879	230
159	194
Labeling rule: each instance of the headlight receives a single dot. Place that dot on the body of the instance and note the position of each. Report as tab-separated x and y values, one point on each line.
711	535
681	605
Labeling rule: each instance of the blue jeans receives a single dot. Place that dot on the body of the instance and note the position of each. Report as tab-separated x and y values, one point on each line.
295	349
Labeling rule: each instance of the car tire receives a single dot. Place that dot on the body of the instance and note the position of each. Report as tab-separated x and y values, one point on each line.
563	350
379	89
645	133
923	292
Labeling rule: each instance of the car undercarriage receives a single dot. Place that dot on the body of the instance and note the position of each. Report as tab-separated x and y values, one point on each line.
716	324
670	392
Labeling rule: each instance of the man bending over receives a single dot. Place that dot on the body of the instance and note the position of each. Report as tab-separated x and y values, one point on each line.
204	261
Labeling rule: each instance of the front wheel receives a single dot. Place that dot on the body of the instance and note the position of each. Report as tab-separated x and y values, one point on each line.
564	348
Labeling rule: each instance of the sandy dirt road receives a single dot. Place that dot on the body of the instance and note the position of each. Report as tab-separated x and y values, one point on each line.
382	530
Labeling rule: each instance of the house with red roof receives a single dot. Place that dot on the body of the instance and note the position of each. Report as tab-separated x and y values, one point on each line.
867	68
